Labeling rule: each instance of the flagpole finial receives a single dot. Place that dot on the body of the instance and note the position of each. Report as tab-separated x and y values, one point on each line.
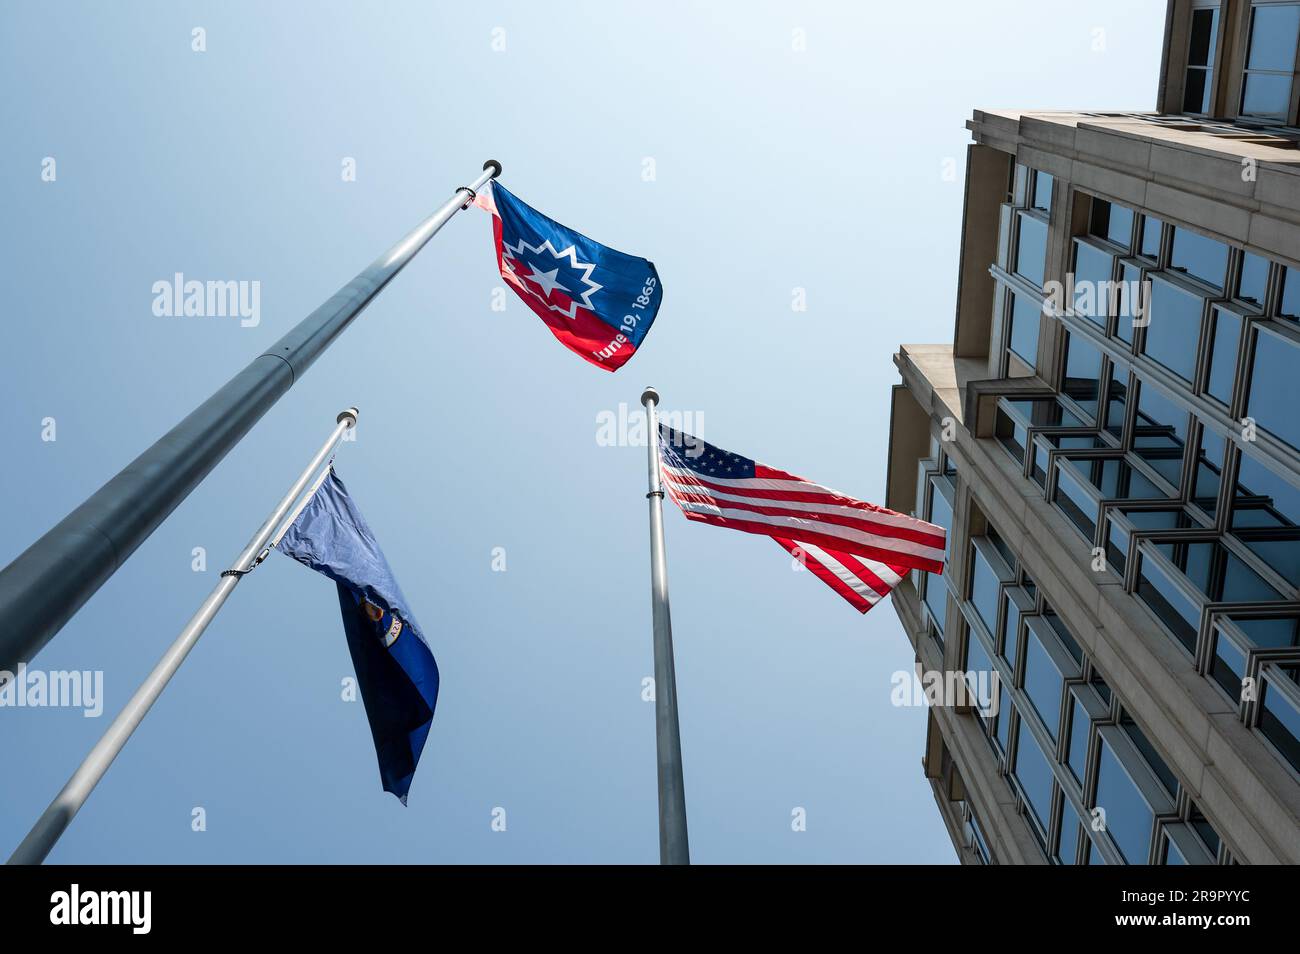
349	415
649	395
492	164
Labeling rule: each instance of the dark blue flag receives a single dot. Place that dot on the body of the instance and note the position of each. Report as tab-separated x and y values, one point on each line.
395	668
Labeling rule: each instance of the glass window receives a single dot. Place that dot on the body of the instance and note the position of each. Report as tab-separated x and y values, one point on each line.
1253	281
1116	396
1078	751
1112	222
1275	386
1172	607
1068	842
1289	307
1200	60
1174	328
1043	682
1011	434
1042	412
1034	774
1213	570
1042	191
977	661
1004	718
984	590
1267	632
1270	61
1074	501
1010	630
1025	314
1160	433
1225	332
1117	536
1031	247
1092	279
1199	256
1043	443
1133	298
1209	471
1149	245
1279	720
936	593
1128	816
1082	374
1266	517
1149	754
1110	477
1209	837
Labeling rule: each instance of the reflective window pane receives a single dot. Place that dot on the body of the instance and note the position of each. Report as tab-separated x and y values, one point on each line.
1160	433
1069	839
1225	332
1279	721
1004	719
1275	386
1034	774
1116	397
1209	471
1266	95
1010	631
1078	754
1289	307
1174	329
1092	271
1112	222
1042	191
1266	517
1253	279
1043	682
1149	243
1132	301
1025	315
1180	614
1082	374
1199	256
1031	247
984	591
1274	29
1128	816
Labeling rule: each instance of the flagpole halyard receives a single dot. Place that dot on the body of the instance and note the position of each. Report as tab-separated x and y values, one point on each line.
56	818
673	843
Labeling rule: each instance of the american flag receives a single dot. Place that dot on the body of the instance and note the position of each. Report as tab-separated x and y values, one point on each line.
859	550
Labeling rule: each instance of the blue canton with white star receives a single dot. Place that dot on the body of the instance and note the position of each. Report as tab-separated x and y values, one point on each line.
685	452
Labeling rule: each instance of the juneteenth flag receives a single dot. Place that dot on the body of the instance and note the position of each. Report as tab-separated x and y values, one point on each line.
859	550
597	301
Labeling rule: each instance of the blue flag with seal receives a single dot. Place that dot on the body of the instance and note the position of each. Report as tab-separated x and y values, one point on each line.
395	668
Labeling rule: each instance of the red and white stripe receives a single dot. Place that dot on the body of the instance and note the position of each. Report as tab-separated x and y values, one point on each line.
858	549
862	582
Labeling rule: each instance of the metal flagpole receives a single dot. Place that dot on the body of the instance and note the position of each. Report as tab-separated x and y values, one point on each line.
673	847
46	584
56	818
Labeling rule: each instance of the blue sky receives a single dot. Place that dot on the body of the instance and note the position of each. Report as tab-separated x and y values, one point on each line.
775	168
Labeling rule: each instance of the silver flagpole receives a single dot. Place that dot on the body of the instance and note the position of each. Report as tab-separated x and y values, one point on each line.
56	818
673	847
49	581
